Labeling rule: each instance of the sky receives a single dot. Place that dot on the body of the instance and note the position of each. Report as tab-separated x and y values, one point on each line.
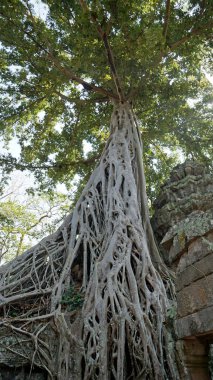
40	8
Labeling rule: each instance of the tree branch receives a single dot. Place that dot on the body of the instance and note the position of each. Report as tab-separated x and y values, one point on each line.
71	76
23	296
66	71
20	166
6	195
166	20
80	101
113	68
194	32
110	56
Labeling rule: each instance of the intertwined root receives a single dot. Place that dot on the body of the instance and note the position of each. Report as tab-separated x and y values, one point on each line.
102	250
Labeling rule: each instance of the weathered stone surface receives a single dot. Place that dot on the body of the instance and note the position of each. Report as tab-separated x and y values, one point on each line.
179	237
201	268
174	212
183	223
197	249
195	324
17	351
22	373
196	224
196	358
189	188
8	346
177	248
196	296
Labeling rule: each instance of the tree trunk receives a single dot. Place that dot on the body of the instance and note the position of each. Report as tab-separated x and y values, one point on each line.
104	252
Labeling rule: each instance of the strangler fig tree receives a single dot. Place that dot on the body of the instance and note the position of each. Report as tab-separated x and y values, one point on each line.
90	301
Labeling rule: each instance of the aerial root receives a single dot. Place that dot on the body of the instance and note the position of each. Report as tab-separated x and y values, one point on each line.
102	251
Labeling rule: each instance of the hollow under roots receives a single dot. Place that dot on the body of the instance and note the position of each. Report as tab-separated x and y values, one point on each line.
101	251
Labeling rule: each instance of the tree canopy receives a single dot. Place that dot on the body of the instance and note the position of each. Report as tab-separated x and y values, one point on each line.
60	72
25	219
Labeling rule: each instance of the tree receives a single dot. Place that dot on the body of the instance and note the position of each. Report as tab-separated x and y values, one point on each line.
98	285
56	82
26	219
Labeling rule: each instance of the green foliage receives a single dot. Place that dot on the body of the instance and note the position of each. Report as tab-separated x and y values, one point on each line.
25	219
72	299
172	312
51	65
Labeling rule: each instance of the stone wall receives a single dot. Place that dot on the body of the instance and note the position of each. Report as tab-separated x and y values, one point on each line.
21	373
183	225
18	352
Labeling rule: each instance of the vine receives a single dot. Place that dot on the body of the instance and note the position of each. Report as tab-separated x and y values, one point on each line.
100	264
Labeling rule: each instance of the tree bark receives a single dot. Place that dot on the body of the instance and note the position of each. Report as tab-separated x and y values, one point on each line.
106	252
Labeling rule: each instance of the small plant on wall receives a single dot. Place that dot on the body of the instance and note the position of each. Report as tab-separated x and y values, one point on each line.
72	299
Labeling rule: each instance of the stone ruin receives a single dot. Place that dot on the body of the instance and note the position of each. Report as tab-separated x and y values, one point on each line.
183	226
21	373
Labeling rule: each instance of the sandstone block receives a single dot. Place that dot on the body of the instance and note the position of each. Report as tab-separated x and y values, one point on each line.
197	323
196	296
194	272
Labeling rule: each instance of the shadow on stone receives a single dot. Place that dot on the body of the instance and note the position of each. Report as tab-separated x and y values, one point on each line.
22	373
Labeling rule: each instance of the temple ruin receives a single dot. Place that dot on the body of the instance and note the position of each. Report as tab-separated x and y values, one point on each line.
183	225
